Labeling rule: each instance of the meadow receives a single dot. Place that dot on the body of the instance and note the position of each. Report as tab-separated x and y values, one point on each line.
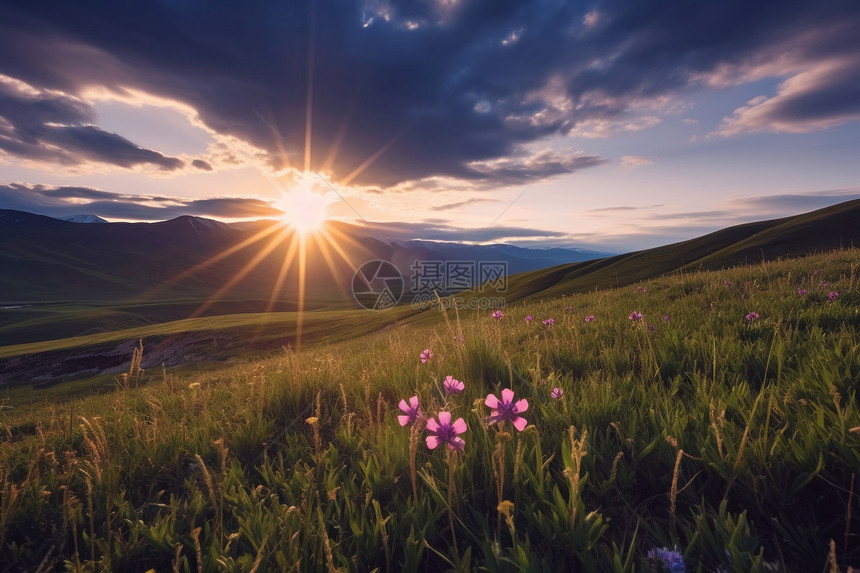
703	421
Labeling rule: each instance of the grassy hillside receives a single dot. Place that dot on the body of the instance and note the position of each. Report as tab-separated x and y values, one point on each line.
733	441
818	231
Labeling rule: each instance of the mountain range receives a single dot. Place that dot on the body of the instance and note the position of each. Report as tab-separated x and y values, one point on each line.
62	280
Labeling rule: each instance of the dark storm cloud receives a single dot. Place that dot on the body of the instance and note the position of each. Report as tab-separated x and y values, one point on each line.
443	85
68	201
56	128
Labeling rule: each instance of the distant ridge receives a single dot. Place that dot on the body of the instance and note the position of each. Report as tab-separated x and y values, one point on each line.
834	227
88	219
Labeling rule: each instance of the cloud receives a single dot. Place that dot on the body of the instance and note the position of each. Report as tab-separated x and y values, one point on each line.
51	127
460	204
623	208
517	170
635	161
67	201
793	203
819	98
414	90
436	230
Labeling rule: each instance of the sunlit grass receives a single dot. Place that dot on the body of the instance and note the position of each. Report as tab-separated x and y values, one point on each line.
735	441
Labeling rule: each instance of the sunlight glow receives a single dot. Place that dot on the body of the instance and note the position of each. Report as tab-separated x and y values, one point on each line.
304	210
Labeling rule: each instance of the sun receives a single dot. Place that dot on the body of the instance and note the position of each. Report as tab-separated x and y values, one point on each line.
304	210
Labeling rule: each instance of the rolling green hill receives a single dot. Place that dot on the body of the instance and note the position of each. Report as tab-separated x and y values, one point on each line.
822	230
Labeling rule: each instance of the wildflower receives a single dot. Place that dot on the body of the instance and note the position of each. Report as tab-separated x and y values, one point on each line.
548	322
665	318
816	272
497	314
530	319
556	393
727	283
453	386
569	308
411	411
635	316
444	431
802	291
833	295
752	316
507	409
589	318
652	328
426	355
822	284
671	560
643	289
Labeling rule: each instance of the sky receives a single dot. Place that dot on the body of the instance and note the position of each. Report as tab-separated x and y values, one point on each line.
612	125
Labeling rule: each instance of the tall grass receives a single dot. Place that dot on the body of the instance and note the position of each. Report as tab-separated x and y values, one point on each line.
734	441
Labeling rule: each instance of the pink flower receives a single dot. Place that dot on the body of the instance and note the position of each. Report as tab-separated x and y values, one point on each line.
569	308
497	314
802	291
453	386
635	316
727	283
507	409
752	316
589	318
444	431
817	272
556	393
426	355
665	318
822	284
530	319
411	411
833	295
643	289
548	322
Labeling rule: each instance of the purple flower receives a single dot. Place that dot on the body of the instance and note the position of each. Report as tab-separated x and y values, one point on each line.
569	308
589	318
453	386
802	291
652	328
426	355
822	284
671	560
411	411
635	316
833	295
507	409
665	318
548	322
497	314
444	432
530	319
752	316
727	283
816	272
556	393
